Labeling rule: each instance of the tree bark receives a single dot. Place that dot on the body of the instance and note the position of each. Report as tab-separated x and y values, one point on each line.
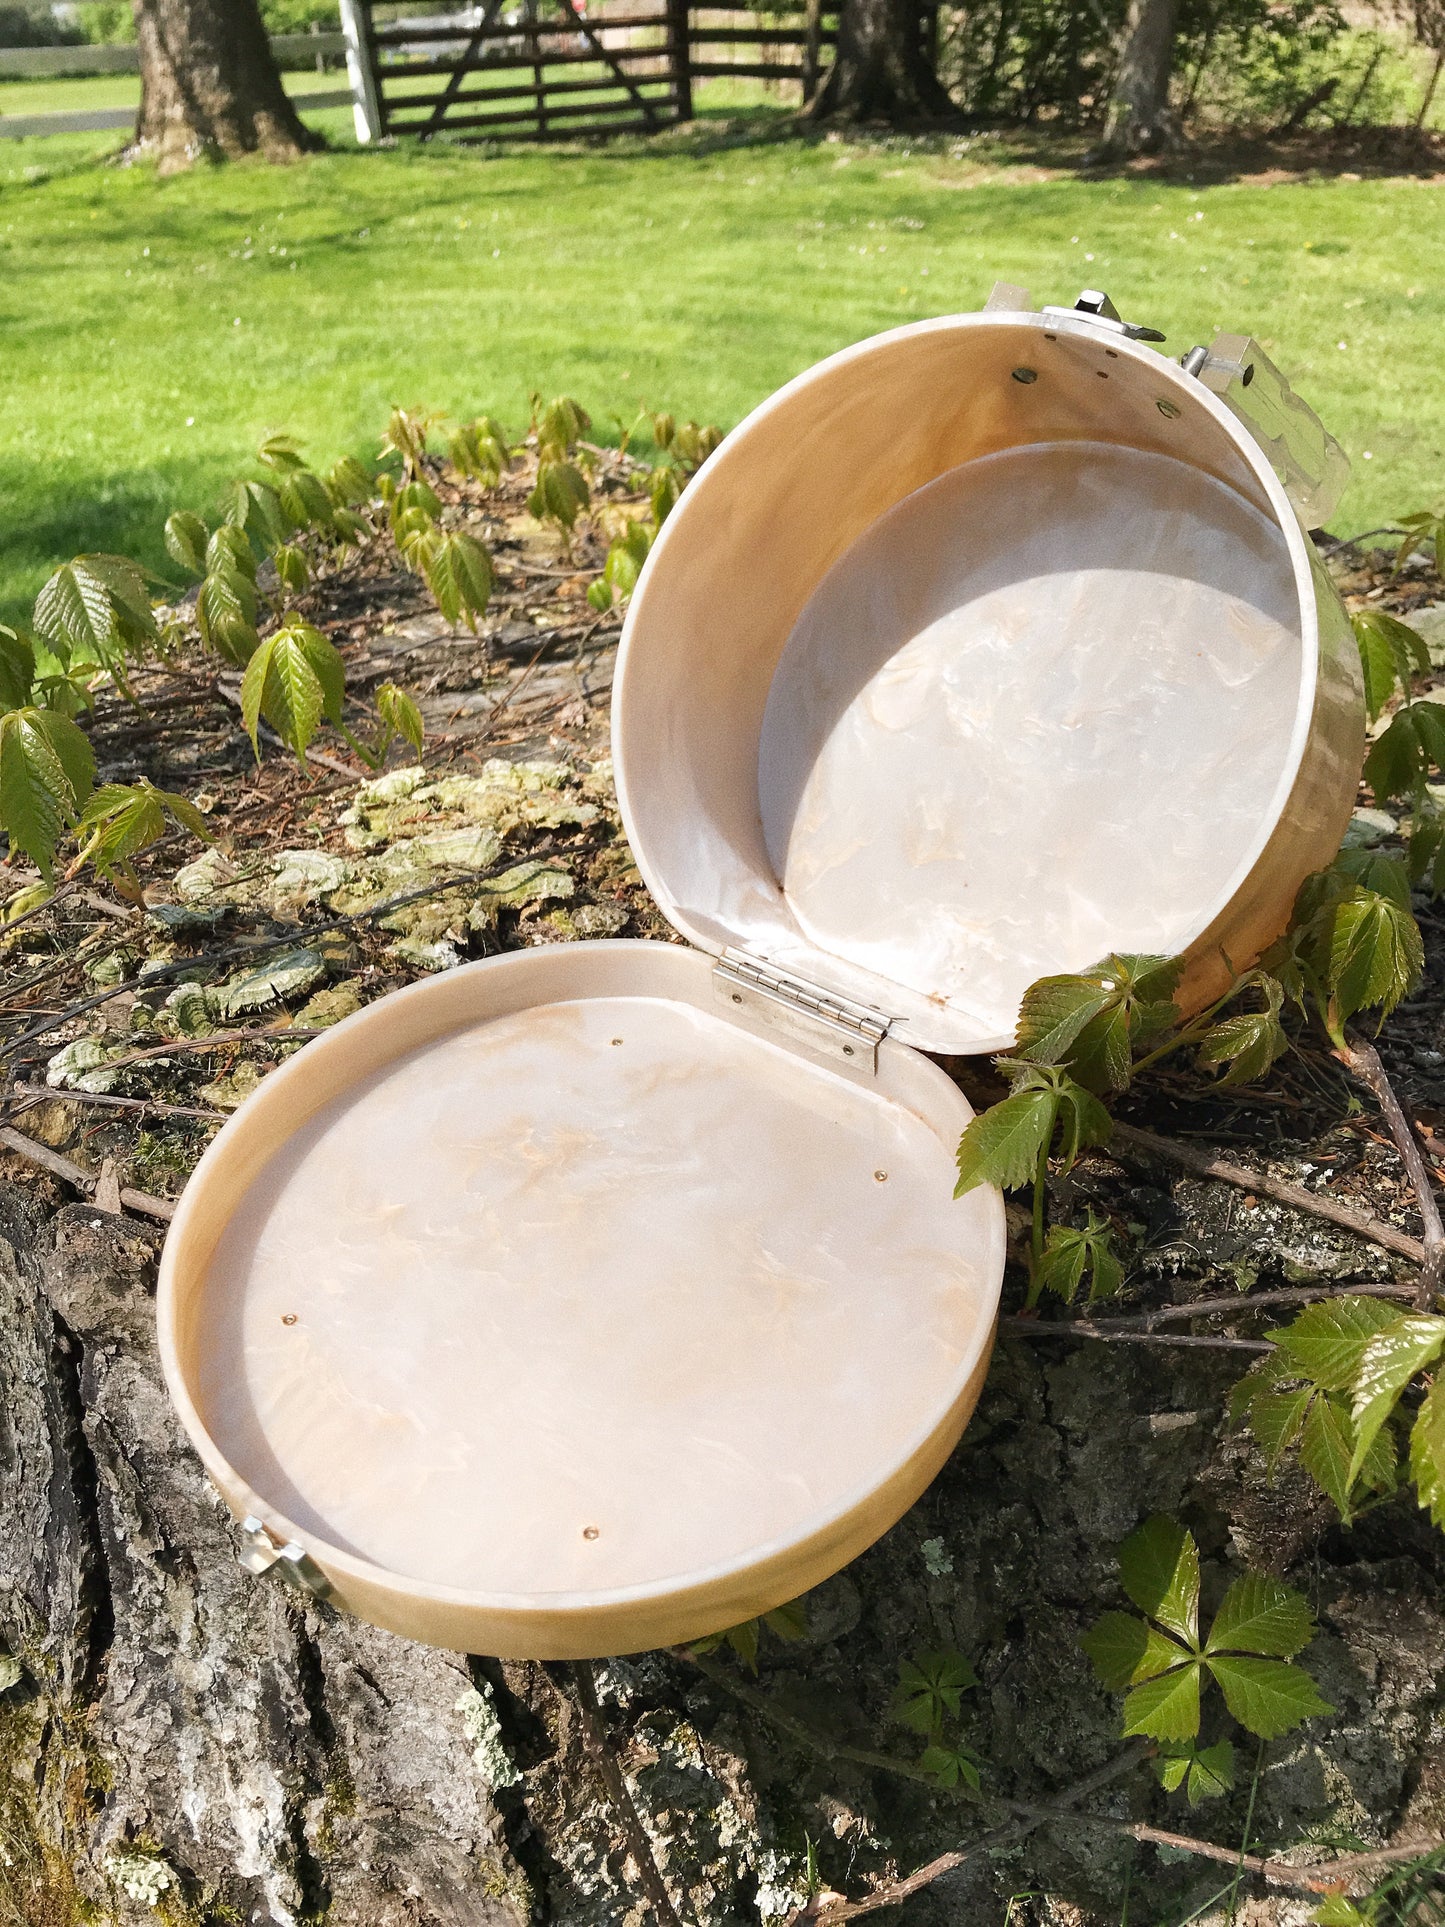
880	71
1139	119
209	84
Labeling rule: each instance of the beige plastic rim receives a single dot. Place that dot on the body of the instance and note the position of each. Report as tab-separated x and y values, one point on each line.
983	648
554	1265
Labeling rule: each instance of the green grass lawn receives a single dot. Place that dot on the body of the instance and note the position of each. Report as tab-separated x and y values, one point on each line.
151	331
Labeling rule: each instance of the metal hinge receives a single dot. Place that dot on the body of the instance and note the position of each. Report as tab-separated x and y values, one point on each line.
262	1552
820	1020
1306	457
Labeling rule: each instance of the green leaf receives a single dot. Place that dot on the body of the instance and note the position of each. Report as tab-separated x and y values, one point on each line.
1053	1012
292	568
1337	1910
663	491
931	1688
1126	1651
294	679
1260	1614
459	573
949	1765
1159	1569
1250	1043
228	550
788	1622
1206	1772
1390	653
226	612
1276	1419
1376	957
305	500
1326	1447
1166	1708
1267	1696
1002	1144
348	484
560	494
1391	1360
90	607
479	449
1070	1253
124	818
281	453
1396	764
400	714
1376	870
17	667
46	772
255	507
559	425
1093	1021
186	541
1427	1453
1327	1342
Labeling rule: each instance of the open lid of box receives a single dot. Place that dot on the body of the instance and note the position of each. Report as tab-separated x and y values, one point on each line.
981	650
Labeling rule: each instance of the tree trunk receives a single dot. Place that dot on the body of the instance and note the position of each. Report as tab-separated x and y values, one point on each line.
880	72
1139	119
209	84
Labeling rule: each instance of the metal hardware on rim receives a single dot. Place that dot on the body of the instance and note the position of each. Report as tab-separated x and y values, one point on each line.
1094	305
1306	457
819	1020
291	1562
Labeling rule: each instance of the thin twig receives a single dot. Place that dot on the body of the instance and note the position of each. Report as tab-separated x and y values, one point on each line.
1125	1137
34	1094
1363	1061
83	1181
638	1843
1146	1321
1026	1327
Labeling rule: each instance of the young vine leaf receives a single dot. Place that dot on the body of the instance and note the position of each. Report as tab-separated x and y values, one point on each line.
17	667
1004	1144
1205	1772
625	558
124	818
1070	1255
1095	1021
399	715
226	612
294	679
46	774
1391	653
1161	1664
930	1690
560	494
663	492
1250	1043
185	538
1302	1394
1400	761
458	572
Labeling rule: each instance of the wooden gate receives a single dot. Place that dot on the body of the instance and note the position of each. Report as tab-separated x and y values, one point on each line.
538	70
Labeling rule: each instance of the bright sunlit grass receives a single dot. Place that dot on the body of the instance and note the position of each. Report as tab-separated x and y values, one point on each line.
151	331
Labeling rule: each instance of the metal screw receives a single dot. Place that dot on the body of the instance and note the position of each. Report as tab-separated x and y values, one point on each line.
288	1318
847	1050
1026	375
737	999
617	1040
590	1532
1168	409
882	1176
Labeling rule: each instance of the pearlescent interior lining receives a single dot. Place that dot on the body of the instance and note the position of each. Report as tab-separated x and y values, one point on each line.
588	1297
1036	713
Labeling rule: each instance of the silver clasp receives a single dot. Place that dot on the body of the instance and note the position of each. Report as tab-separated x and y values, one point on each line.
261	1551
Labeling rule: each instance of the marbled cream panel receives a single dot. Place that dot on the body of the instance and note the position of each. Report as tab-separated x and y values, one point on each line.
1038	712
589	1297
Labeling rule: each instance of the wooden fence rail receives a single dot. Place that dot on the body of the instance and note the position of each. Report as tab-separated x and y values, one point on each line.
591	72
